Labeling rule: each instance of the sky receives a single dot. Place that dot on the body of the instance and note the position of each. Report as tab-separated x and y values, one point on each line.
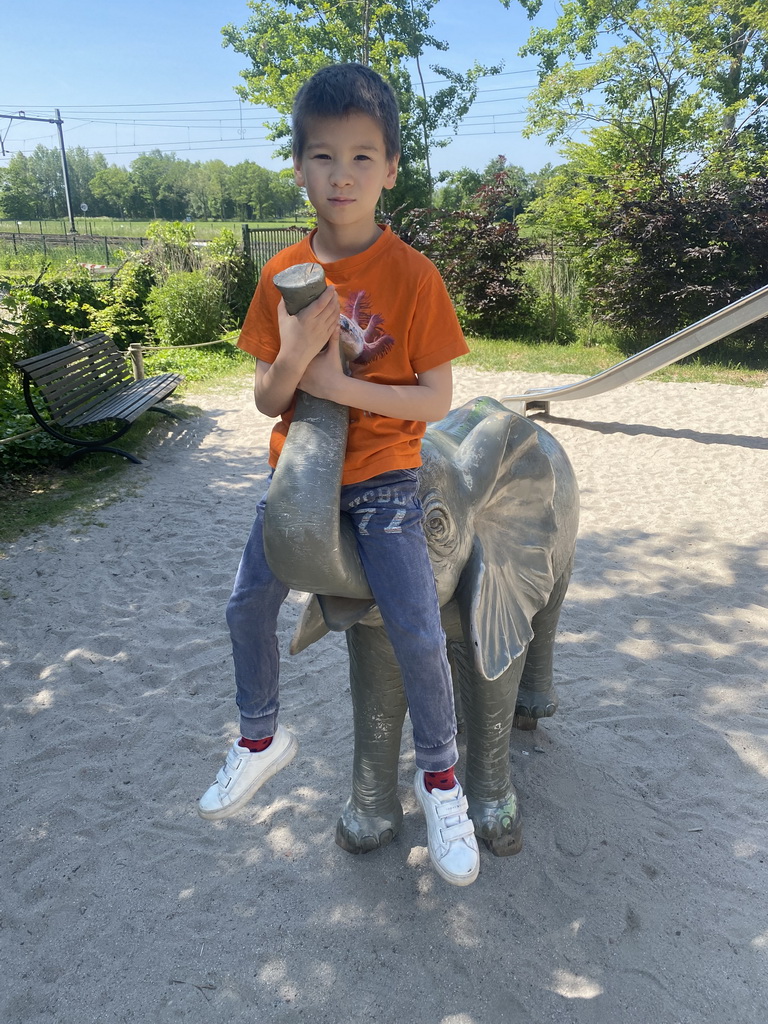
131	77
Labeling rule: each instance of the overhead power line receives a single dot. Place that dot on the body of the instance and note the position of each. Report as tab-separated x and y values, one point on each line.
229	115
22	116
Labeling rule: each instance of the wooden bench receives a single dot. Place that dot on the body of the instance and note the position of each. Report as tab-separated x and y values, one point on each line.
86	383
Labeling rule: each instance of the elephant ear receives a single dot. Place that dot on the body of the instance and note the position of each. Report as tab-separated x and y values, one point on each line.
509	574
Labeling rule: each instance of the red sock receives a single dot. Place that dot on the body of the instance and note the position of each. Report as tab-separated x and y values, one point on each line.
255	746
439	780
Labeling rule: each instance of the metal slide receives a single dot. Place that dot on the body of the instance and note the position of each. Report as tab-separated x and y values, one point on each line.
684	343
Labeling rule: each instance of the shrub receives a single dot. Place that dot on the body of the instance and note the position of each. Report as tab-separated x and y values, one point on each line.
30	452
549	318
555	310
235	271
481	258
124	317
668	261
171	247
187	309
45	314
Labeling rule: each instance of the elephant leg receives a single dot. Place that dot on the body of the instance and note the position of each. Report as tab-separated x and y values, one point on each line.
536	696
458	708
373	814
489	708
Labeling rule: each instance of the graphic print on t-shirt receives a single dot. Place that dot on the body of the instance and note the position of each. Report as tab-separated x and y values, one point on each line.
362	333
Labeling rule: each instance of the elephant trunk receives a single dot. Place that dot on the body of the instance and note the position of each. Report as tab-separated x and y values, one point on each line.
305	542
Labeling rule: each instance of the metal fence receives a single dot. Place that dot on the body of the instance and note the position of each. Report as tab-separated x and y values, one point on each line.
261	244
94	248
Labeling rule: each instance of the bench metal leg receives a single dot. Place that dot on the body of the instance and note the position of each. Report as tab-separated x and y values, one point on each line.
105	448
165	412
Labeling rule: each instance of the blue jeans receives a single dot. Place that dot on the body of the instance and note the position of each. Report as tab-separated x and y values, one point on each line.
387	519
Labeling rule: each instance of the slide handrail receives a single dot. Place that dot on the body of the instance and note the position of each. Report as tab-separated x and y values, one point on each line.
712	328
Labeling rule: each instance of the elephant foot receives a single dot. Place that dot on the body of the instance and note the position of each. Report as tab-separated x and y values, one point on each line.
498	823
358	832
532	705
508	845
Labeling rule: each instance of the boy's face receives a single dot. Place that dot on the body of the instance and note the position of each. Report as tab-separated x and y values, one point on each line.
344	167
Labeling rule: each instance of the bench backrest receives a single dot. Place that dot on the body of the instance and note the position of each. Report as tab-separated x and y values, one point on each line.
77	375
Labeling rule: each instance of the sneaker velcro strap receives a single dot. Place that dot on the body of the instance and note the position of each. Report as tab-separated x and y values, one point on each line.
460	830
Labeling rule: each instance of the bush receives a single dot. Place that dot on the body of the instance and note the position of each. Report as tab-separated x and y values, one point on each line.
188	309
171	247
554	313
124	317
31	452
235	271
43	315
667	262
480	257
549	319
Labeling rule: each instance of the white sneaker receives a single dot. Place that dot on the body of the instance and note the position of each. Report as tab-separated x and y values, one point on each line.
243	773
450	833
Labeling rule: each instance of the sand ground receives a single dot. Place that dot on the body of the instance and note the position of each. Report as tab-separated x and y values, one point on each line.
640	896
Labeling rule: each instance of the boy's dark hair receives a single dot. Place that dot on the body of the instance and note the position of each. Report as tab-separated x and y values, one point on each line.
343	89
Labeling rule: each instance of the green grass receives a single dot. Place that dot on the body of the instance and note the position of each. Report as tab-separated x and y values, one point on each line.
219	363
31	255
587	360
30	258
135	228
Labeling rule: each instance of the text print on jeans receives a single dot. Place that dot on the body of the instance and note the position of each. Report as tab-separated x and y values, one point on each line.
368	513
379	496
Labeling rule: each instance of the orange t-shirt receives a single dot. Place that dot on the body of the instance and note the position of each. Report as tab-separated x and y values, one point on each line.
398	300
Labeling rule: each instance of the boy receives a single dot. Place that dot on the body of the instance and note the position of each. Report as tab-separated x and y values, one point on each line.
346	148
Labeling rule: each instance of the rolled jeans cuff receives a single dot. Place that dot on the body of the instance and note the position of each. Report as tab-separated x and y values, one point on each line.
437	759
258	728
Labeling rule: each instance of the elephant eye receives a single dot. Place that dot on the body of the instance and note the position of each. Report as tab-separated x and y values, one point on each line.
437	522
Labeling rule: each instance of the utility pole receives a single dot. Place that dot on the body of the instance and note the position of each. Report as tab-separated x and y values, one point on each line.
65	172
21	116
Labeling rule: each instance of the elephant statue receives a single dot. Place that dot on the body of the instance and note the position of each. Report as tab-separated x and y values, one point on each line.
500	507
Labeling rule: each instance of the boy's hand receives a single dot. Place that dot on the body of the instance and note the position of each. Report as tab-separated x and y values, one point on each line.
301	338
325	374
304	335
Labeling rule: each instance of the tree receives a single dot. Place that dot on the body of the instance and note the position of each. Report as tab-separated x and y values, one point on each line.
457	188
640	93
158	185
242	183
113	188
286	195
45	167
288	40
174	188
19	192
671	80
83	167
213	186
35	184
148	171
461	188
